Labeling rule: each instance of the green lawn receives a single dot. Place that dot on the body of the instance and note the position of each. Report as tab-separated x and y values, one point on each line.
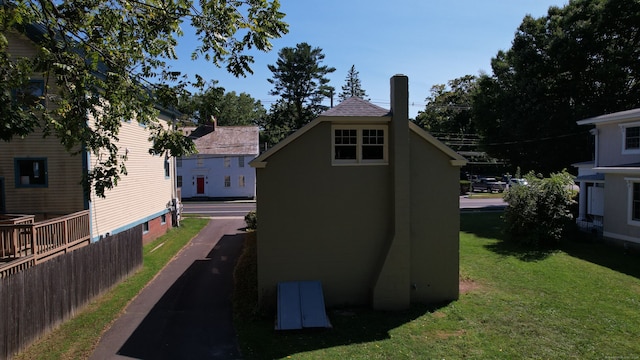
581	301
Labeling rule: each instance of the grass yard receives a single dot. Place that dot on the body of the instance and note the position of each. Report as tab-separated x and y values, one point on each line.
581	301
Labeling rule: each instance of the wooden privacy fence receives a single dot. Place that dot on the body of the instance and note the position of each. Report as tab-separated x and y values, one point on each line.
37	299
24	243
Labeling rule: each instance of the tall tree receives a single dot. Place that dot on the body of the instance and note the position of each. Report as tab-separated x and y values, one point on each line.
98	58
352	86
578	61
448	108
240	109
300	81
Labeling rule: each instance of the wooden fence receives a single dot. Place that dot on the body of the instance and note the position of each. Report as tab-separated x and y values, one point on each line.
35	300
24	243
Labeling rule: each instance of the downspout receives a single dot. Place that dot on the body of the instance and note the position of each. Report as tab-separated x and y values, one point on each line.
392	288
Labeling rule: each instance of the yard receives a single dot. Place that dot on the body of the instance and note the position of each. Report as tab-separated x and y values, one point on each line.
581	301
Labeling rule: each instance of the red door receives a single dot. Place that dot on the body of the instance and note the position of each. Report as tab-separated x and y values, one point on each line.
200	186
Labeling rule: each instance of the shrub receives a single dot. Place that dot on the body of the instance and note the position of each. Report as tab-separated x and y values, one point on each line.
252	220
540	213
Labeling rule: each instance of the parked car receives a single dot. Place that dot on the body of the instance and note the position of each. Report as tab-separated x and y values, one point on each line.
516	182
488	184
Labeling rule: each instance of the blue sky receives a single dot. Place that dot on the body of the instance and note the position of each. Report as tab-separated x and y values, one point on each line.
430	41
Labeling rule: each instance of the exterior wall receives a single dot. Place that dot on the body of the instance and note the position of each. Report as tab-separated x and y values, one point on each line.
616	209
610	149
157	228
321	222
435	224
63	192
145	193
214	171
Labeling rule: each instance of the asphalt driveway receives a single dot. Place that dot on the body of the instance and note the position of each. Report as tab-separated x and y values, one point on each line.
185	312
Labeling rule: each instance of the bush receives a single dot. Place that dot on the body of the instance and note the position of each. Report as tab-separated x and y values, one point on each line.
540	213
252	220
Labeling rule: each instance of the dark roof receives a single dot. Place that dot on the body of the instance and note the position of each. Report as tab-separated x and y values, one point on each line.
225	140
355	106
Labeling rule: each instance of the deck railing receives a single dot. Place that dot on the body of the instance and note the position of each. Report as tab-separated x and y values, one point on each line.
24	243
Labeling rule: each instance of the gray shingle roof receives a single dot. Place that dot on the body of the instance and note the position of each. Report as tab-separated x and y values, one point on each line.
355	106
225	140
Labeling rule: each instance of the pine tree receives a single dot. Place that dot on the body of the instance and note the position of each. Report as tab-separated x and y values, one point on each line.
352	86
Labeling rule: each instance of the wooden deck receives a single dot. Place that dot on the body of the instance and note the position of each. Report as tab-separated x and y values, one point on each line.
24	243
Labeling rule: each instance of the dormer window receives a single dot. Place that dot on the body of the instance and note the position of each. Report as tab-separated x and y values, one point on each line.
630	138
359	144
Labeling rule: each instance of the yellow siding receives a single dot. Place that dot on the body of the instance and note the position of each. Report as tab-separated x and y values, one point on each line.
63	194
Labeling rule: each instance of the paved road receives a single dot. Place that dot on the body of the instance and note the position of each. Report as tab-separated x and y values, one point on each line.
481	203
185	312
240	209
218	208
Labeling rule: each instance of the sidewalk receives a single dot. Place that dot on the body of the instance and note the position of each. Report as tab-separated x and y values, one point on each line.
185	312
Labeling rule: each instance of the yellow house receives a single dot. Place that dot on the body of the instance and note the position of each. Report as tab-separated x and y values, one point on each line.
364	201
38	177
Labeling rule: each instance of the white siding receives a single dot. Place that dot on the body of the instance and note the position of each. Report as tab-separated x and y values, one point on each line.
142	194
214	173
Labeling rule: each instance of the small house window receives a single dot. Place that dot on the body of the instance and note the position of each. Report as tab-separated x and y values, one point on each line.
163	219
630	138
166	167
359	144
145	227
227	161
227	181
199	161
31	94
633	204
241	161
179	162
31	172
241	181
179	181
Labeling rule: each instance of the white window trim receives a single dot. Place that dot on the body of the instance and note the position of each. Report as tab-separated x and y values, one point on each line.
630	220
358	160
623	130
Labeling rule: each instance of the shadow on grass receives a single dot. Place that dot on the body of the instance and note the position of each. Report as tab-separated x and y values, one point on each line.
256	330
604	254
259	340
489	225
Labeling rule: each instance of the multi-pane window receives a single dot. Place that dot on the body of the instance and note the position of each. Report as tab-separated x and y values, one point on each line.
179	181
227	161
241	161
241	181
359	144
227	181
179	162
345	144
632	138
31	172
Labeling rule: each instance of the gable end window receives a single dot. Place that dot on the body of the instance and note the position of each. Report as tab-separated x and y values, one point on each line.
359	145
31	172
630	138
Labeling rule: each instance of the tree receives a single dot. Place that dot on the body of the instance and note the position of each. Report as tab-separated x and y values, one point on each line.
352	86
448	109
240	109
100	58
300	81
576	62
